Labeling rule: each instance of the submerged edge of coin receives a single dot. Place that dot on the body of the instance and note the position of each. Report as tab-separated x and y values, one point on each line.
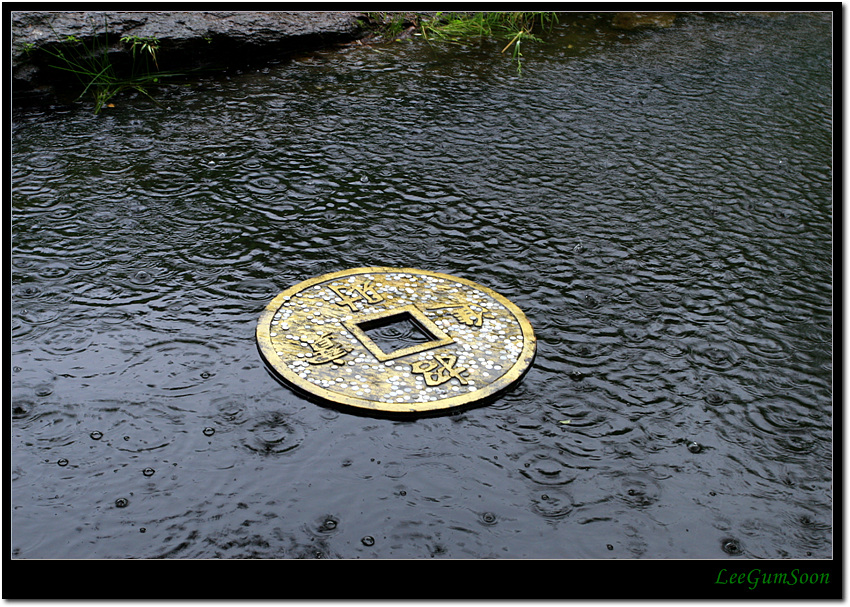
471	344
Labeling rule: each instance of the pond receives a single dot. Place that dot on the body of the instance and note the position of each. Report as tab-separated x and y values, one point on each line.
658	203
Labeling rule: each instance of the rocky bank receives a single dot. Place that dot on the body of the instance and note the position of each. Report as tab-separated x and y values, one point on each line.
187	39
192	40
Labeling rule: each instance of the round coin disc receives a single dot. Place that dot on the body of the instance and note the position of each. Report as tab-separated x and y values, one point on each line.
397	340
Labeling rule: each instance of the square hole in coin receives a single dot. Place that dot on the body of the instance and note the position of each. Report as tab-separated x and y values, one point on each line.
396	333
393	333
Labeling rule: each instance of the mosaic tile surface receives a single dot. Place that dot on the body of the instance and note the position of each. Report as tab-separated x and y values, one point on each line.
474	342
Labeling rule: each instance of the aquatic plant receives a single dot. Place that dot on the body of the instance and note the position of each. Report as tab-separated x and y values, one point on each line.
516	27
391	25
452	27
147	43
94	68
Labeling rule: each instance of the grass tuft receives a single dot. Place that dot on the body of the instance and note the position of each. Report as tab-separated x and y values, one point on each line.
515	27
97	74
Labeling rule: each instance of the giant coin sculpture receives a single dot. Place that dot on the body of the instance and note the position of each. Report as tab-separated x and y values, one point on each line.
396	340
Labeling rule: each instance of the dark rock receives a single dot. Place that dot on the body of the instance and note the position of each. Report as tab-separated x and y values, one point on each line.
187	39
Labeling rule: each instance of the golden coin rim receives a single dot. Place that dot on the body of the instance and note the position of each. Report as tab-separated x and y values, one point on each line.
281	369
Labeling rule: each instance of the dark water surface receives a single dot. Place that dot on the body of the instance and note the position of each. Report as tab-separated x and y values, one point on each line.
658	203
